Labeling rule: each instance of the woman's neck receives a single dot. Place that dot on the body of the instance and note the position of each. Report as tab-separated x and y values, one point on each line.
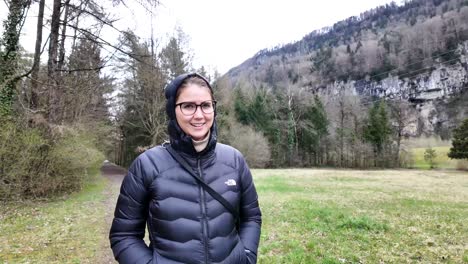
200	145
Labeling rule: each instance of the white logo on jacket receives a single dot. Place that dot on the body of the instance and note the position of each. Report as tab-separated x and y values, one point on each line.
230	182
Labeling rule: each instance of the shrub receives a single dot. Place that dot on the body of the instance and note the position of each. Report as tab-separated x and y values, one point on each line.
253	145
430	156
71	158
32	166
21	152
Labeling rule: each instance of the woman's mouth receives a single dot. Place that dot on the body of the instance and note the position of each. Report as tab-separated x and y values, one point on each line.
197	124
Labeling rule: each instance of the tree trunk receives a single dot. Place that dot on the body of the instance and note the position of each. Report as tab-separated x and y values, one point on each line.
342	119
52	69
33	103
62	40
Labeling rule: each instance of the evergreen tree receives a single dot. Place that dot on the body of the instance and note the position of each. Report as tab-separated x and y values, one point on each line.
319	117
316	129
256	112
143	118
84	85
240	107
173	58
377	129
459	149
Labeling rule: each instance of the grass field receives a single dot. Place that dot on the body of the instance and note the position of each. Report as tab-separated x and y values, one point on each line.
442	161
417	147
346	216
67	230
309	216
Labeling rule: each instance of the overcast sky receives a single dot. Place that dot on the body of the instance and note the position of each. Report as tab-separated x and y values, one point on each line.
224	33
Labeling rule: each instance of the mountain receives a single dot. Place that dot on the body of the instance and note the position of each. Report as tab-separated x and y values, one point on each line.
417	52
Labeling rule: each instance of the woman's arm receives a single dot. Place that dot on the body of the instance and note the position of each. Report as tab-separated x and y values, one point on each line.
128	227
250	214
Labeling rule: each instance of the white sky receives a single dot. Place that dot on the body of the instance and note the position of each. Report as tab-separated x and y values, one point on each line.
223	34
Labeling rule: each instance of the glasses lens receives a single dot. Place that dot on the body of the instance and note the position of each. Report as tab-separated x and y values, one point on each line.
207	107
188	108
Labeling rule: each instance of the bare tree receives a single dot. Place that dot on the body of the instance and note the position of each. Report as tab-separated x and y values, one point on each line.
403	114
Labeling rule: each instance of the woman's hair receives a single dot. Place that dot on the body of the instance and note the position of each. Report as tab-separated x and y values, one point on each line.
193	80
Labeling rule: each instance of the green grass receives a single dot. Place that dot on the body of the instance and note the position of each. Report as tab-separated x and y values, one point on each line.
391	216
66	230
442	161
309	216
417	147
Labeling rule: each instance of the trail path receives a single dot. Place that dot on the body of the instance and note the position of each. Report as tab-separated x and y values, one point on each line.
115	175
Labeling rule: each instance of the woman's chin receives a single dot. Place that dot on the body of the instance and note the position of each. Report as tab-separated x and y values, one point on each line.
198	136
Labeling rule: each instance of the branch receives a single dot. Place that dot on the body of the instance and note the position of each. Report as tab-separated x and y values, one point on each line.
84	69
26	74
106	22
105	42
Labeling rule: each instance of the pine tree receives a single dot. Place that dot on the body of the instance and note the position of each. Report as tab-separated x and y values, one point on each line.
174	58
459	149
377	131
315	129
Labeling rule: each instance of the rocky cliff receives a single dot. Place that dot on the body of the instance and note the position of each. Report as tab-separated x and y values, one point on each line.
440	95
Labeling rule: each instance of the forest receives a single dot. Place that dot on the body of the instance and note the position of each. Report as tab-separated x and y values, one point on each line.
70	104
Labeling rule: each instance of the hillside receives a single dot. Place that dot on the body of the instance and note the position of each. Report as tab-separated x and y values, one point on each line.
416	52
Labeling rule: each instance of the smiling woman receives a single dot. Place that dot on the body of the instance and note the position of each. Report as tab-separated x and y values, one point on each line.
195	113
196	196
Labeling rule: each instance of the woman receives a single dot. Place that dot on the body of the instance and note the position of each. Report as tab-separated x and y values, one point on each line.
185	223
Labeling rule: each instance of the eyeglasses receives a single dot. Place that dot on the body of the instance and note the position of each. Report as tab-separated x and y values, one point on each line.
189	108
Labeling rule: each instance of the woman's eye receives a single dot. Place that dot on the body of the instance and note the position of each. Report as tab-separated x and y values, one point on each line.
206	106
188	106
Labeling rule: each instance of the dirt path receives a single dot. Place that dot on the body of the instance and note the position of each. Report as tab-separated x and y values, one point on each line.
115	175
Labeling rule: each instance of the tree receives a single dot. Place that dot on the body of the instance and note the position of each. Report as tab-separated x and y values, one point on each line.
9	48
315	129
429	156
143	118
55	91
459	149
84	85
175	59
403	114
33	101
377	130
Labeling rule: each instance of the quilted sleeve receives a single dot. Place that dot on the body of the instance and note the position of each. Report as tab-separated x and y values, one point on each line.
250	214
128	227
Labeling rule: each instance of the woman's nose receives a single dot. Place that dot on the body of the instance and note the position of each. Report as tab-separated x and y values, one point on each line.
198	112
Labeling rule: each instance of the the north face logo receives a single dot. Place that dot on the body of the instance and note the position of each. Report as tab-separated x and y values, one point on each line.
230	182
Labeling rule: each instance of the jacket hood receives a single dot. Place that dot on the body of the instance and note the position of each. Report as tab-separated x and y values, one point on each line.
179	140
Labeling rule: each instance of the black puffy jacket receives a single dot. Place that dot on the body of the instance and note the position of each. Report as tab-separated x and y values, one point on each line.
185	224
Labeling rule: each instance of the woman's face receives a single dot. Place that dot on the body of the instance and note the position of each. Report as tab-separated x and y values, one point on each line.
198	124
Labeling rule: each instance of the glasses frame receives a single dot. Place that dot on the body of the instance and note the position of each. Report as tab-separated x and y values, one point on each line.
196	107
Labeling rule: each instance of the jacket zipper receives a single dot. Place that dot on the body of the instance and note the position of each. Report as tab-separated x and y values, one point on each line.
204	220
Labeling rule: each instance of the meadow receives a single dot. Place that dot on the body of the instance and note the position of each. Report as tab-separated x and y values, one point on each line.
417	147
351	216
70	229
309	216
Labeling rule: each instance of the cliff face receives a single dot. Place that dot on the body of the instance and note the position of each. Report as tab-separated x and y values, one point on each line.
440	95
